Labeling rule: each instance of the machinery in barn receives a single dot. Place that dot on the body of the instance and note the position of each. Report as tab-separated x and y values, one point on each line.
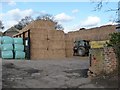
81	48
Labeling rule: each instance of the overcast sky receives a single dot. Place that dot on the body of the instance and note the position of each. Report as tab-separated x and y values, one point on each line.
72	15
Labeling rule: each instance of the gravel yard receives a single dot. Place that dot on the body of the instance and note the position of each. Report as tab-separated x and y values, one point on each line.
64	73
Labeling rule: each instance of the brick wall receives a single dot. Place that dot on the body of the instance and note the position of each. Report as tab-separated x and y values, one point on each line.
110	61
102	60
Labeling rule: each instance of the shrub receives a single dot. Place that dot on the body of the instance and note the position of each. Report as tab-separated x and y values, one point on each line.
115	42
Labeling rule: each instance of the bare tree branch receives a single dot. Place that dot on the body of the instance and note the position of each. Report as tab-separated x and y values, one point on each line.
23	22
99	4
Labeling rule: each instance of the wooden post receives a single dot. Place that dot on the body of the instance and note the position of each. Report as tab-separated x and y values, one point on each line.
19	35
29	50
23	38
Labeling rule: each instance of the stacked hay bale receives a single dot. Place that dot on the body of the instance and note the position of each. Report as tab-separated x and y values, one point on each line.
7	47
39	43
18	48
93	34
69	44
46	43
56	44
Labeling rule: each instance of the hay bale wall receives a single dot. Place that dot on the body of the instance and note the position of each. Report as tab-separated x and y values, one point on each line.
93	34
47	43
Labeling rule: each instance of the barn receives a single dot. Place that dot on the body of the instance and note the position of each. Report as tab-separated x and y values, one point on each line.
43	41
11	31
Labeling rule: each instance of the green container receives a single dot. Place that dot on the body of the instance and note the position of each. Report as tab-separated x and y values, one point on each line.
7	40
0	40
18	47
6	47
0	46
7	54
19	55
18	40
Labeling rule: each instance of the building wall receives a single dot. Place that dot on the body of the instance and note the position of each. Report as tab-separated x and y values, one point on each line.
102	61
10	33
1	33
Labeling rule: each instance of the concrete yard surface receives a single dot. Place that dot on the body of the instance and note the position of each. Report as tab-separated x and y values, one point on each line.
63	73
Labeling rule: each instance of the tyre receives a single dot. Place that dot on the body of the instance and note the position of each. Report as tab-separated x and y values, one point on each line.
81	51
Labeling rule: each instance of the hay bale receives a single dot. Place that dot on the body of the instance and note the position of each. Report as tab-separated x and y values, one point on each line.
53	44
18	40
39	34
56	35
19	55
6	47
37	54
69	52
56	53
7	40
44	23
7	54
40	44
68	37
18	47
69	44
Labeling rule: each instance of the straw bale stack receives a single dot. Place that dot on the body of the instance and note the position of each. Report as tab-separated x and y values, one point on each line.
39	43
47	43
38	34
69	44
55	44
42	44
38	54
56	53
69	52
56	35
68	37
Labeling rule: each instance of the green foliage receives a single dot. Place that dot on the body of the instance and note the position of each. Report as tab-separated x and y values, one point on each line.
115	39
115	42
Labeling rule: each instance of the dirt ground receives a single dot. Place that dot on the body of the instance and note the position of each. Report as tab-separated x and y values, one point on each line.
63	73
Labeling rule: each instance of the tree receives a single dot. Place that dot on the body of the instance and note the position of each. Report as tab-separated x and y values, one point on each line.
59	27
115	43
99	5
23	22
1	25
50	18
45	17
